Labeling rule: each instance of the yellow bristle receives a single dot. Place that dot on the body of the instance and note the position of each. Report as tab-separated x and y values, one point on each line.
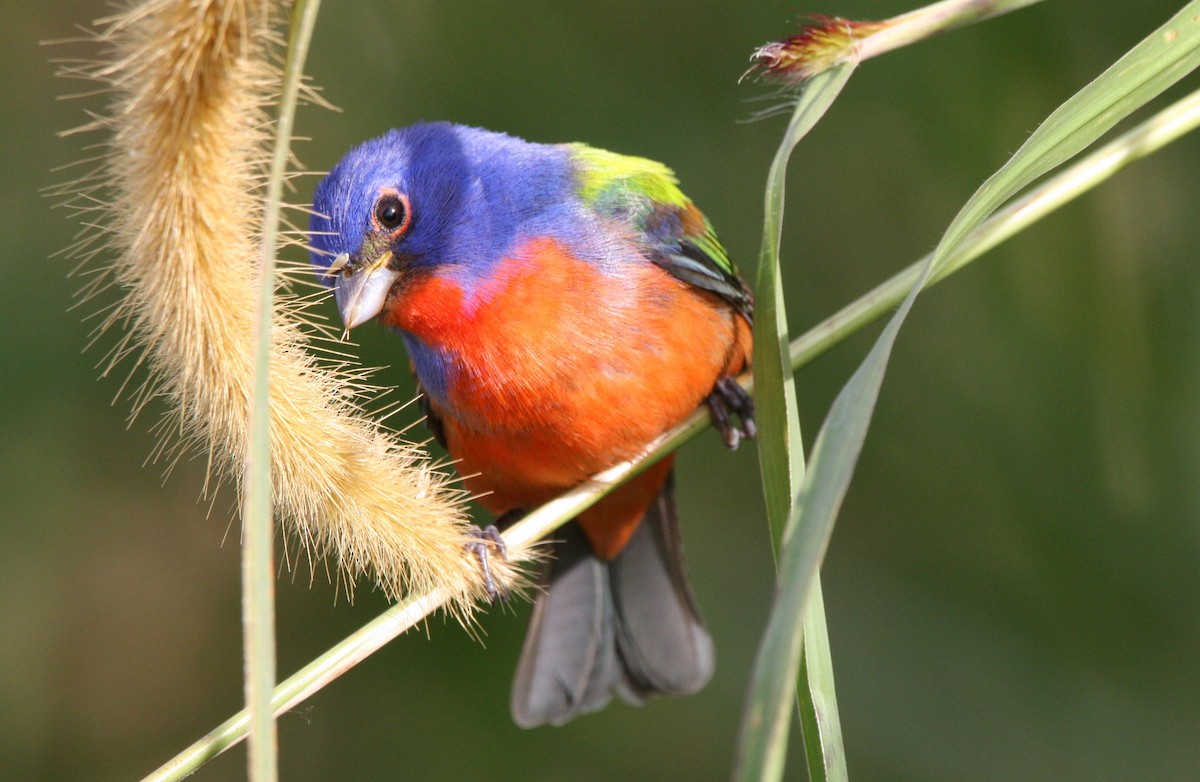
176	202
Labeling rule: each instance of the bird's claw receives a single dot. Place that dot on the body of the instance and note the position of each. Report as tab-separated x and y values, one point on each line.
728	397
485	541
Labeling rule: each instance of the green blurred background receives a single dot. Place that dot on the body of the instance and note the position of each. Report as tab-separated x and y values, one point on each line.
1013	588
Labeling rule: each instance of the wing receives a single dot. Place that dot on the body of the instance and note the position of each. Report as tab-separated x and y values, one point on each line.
677	236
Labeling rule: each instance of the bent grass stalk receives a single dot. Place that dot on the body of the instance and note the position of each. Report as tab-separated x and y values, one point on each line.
780	446
1148	137
176	202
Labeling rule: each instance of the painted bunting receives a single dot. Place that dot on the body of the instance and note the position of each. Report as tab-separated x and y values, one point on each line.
561	306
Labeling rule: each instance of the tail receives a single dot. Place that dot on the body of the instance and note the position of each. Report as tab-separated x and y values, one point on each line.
629	625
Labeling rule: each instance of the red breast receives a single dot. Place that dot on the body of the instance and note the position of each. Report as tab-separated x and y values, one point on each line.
557	370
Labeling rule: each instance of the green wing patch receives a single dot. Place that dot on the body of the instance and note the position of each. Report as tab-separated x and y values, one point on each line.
678	237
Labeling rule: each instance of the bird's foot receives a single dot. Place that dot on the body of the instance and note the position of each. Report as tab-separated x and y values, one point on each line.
729	398
485	543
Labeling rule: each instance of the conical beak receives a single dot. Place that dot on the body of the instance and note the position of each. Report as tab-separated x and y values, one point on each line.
361	292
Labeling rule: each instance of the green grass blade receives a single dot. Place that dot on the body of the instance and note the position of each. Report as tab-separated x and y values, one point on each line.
780	448
1167	55
1152	66
825	483
1168	125
762	746
258	561
820	726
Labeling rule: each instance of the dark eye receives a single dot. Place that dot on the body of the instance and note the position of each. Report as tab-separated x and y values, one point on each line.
391	212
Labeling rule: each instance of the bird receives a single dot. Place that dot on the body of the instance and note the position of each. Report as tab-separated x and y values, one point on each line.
561	306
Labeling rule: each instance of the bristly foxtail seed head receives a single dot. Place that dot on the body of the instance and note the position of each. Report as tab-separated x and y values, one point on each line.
348	488
823	42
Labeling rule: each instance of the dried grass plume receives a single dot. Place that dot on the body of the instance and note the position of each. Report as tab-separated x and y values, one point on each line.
173	207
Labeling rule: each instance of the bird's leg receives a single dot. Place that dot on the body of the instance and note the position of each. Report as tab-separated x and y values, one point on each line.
484	541
728	397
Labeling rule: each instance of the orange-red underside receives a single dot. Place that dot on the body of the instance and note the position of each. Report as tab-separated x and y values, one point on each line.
559	370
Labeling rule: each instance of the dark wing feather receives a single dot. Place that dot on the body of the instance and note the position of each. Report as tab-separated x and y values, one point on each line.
432	420
692	264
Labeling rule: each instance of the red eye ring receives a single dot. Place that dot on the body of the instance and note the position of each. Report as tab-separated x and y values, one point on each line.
392	212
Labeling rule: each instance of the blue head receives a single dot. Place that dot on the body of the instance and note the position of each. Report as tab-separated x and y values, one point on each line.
432	194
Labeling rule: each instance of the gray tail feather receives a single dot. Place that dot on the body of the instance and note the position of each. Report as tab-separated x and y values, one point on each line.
629	626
